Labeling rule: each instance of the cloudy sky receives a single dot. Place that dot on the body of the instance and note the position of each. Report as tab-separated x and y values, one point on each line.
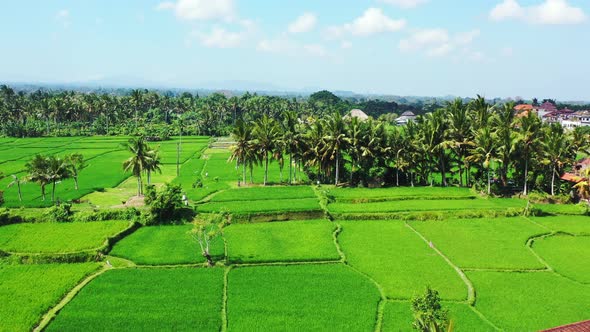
501	48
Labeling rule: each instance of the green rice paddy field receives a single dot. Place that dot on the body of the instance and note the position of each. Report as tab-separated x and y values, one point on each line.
498	272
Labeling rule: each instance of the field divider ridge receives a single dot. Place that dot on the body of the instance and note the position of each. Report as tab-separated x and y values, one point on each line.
224	322
52	313
470	289
383	298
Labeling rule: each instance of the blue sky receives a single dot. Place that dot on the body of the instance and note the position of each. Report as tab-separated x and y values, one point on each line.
505	48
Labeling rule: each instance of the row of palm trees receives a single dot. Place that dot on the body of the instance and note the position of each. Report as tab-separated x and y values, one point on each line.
44	113
49	170
143	160
475	142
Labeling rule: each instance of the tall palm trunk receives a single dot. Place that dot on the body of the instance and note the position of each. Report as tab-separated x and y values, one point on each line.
290	170
337	169
442	169
53	192
553	181
265	168
244	172
139	185
489	181
526	175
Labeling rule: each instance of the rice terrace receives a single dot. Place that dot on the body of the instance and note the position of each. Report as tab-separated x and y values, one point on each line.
354	166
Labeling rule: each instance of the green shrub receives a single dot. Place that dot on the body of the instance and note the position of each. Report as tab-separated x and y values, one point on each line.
130	214
166	205
60	213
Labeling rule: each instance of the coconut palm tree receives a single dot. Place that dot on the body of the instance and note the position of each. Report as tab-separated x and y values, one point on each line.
558	150
266	132
153	164
484	151
527	139
502	123
74	163
17	181
139	160
57	170
37	172
241	150
335	141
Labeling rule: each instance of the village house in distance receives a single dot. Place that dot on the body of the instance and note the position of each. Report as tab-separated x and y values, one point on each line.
549	113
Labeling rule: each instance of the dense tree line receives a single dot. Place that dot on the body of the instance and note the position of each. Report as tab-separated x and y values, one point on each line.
463	144
155	114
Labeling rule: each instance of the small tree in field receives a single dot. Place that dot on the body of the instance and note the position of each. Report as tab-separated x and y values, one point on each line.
16	181
204	232
74	163
429	316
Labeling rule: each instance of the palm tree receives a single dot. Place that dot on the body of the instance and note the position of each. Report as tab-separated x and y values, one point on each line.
37	172
583	186
558	150
528	142
57	170
335	141
460	135
240	151
139	160
75	162
266	132
502	122
16	181
485	151
153	164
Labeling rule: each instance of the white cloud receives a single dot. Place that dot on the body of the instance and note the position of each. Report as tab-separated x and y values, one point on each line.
346	44
404	3
425	38
201	9
436	42
373	21
221	38
441	50
507	51
63	17
303	23
467	37
547	12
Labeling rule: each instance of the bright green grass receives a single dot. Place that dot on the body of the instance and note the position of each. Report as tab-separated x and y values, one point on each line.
398	317
115	197
325	297
565	209
164	245
28	291
429	205
398	259
281	241
398	193
567	255
530	301
146	300
57	237
264	193
168	152
570	224
264	206
104	171
484	243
